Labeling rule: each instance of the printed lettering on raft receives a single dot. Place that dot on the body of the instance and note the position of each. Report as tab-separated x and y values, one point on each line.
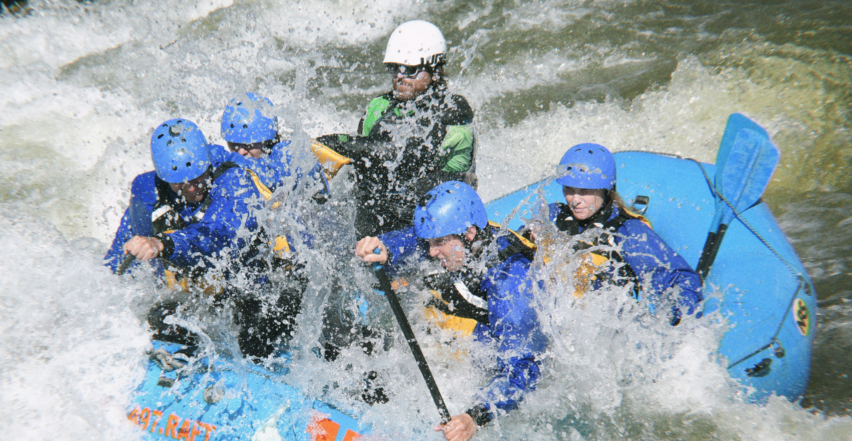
325	429
174	429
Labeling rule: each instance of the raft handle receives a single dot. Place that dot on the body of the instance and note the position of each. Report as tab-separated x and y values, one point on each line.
640	204
761	369
778	349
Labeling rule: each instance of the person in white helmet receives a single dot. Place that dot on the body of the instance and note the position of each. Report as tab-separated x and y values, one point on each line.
410	139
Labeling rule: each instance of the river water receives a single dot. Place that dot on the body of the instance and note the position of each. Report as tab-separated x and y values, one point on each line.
83	83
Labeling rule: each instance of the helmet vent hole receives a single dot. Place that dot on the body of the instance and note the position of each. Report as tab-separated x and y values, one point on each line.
232	125
189	164
245	126
591	152
174	168
179	121
182	140
160	136
169	142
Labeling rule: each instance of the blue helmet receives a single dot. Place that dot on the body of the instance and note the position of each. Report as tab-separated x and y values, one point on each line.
179	151
588	166
248	120
449	208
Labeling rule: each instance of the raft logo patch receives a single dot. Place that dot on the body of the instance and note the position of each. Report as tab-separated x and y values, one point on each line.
802	317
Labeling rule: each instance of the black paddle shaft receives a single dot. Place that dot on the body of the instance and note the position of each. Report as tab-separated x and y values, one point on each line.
128	259
385	284
711	248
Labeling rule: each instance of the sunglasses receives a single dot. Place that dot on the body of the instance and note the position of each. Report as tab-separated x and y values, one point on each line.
406	71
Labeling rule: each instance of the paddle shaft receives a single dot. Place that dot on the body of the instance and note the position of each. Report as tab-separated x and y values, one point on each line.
128	259
711	248
385	284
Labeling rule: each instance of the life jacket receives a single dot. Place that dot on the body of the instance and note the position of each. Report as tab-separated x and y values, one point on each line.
165	219
459	303
595	261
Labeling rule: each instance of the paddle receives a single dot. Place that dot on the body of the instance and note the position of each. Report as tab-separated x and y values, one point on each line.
744	164
385	285
128	259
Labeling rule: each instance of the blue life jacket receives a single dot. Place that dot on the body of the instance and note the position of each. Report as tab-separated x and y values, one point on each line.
512	322
650	261
273	170
204	230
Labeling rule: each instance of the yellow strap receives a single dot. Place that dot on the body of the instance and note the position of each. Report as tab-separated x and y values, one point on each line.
264	190
462	326
281	245
526	242
175	281
331	161
643	219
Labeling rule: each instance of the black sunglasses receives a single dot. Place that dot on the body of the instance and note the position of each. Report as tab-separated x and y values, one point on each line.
406	71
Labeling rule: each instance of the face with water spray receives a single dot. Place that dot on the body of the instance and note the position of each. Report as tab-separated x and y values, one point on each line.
584	202
587	175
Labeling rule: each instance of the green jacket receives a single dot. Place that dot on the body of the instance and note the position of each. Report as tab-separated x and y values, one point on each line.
447	116
405	148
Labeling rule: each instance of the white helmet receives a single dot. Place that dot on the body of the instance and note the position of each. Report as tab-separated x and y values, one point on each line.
416	42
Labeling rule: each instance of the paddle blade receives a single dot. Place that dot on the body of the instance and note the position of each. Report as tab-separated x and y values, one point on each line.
749	167
736	122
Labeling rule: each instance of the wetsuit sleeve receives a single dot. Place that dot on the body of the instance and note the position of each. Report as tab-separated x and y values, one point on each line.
115	254
660	267
515	326
136	220
234	202
402	246
458	143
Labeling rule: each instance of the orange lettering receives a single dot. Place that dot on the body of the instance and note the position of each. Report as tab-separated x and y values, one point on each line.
208	428
350	435
171	426
158	414
194	431
145	418
134	415
323	430
183	433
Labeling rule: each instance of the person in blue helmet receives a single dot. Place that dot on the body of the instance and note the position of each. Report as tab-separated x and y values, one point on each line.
250	130
195	219
625	250
486	284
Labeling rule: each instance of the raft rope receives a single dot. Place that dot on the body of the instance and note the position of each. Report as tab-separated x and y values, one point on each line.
797	274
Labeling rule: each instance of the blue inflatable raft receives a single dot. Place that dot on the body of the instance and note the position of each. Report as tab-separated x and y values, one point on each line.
767	295
224	400
767	298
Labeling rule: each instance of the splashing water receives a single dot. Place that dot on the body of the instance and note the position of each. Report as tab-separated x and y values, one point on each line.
83	84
